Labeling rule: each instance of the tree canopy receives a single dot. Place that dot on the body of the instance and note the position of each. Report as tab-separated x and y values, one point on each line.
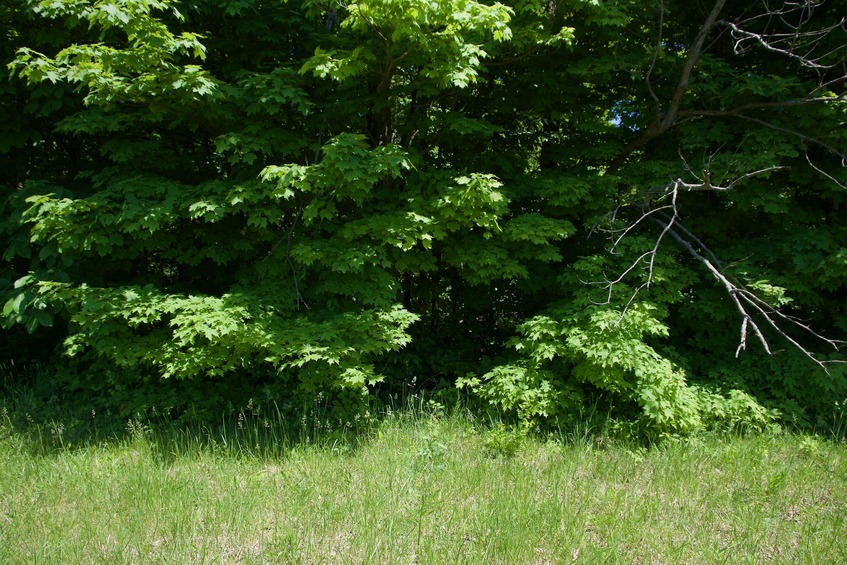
550	203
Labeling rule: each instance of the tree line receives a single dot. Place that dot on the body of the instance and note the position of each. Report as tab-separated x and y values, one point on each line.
631	203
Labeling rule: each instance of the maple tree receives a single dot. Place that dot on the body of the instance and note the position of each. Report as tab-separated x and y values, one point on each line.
549	203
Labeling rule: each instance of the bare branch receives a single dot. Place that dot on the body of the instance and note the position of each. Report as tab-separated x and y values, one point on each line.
824	173
786	29
287	238
748	305
797	134
732	290
648	257
752	308
299	297
632	226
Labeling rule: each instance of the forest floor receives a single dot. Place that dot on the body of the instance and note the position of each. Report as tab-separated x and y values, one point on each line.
417	486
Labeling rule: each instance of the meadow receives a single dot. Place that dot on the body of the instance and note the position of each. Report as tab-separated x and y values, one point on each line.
413	485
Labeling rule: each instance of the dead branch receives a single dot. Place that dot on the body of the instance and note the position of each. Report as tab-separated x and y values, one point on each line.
753	310
824	173
748	305
788	30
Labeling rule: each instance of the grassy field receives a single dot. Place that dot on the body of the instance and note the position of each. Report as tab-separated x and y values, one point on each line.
415	487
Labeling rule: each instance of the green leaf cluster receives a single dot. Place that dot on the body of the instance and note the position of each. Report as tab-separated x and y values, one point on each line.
338	197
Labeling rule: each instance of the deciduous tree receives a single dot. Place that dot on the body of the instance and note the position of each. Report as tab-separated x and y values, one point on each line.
549	202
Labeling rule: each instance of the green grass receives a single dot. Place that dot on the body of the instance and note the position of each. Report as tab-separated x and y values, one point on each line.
415	487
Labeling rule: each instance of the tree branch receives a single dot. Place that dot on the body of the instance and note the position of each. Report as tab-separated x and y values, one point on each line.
663	123
752	309
789	43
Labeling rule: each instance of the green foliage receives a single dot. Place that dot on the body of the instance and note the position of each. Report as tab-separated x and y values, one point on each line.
502	441
603	350
736	409
432	36
312	198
